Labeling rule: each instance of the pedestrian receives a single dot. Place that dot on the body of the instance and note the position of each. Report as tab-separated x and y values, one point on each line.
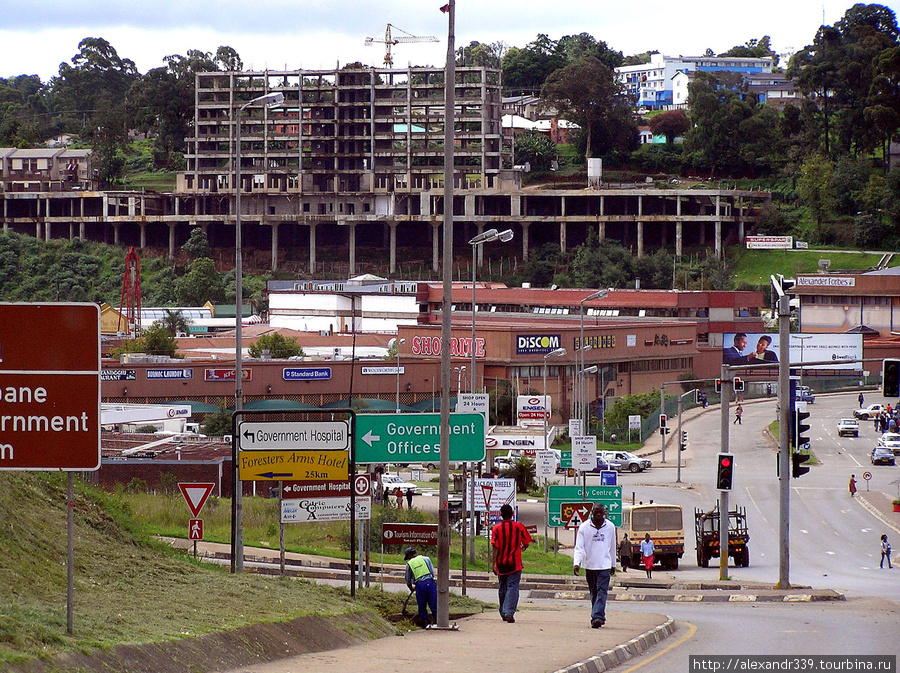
647	551
508	539
885	551
399	495
625	552
409	497
385	494
738	412
704	399
595	549
852	485
420	575
862	400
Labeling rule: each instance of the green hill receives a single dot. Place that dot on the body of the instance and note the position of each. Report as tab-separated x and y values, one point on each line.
133	591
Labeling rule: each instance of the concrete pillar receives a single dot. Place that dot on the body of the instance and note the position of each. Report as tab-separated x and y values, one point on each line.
47	233
38	234
663	234
275	226
81	230
171	240
718	226
116	227
435	247
312	247
601	229
479	249
469	205
392	228
562	236
515	206
525	226
71	231
132	209
678	238
702	226
351	234
640	239
143	235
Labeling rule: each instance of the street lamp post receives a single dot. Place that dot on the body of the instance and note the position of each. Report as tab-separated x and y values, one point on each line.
599	294
397	343
488	236
552	354
459	372
237	541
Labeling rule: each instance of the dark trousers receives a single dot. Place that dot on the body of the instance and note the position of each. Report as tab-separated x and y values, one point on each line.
598	584
426	597
509	593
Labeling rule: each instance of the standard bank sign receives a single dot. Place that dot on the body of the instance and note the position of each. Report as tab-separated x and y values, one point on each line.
536	343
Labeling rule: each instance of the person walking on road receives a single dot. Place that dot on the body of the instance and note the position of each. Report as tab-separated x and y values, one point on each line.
508	539
398	493
409	497
885	551
595	550
647	552
625	552
420	575
852	485
862	400
738	412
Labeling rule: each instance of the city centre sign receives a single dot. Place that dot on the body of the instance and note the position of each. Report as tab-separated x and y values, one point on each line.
49	386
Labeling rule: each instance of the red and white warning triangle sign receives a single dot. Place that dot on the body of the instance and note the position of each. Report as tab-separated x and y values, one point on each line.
486	491
196	495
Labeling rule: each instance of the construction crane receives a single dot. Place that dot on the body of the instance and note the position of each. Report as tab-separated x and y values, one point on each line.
130	306
389	41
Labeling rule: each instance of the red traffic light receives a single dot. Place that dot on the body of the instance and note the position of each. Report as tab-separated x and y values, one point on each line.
725	461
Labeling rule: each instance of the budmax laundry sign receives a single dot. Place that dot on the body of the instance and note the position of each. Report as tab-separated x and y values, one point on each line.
537	343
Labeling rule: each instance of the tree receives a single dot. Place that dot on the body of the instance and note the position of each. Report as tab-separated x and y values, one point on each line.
156	340
202	283
753	49
174	323
576	47
529	68
535	148
218	423
589	94
481	55
278	346
670	124
814	186
197	245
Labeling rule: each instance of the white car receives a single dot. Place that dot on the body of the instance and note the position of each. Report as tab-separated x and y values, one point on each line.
394	481
890	440
870	411
848	426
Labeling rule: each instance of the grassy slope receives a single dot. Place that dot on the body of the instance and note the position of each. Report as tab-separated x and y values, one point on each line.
755	266
127	589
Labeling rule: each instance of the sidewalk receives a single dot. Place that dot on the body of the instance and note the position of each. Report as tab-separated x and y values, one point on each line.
542	640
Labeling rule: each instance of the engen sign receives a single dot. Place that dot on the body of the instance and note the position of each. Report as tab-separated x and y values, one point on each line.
49	387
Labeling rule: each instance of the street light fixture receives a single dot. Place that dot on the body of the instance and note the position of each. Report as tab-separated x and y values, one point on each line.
397	344
488	236
599	294
459	372
237	540
552	354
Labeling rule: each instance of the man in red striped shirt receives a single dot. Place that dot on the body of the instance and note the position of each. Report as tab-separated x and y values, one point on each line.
509	539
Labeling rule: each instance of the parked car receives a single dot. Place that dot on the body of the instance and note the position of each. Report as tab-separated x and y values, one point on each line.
881	455
890	440
869	412
848	426
804	394
394	481
625	461
605	465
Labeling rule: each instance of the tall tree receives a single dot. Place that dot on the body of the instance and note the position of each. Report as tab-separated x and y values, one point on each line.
477	54
670	124
527	69
753	49
589	94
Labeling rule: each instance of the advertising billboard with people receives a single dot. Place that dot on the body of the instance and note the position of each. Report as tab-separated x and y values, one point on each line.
750	348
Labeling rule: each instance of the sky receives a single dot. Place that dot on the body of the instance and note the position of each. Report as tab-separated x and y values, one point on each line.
37	35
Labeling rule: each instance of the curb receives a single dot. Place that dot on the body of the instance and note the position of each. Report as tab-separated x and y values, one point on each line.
700	597
609	659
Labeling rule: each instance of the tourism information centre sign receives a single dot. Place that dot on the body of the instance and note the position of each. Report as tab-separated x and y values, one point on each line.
50	384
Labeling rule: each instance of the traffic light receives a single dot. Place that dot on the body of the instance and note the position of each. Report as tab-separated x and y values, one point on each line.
718	385
799	439
890	378
725	471
797	467
663	429
738	385
683	446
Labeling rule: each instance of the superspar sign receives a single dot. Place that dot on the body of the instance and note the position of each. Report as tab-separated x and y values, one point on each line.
49	391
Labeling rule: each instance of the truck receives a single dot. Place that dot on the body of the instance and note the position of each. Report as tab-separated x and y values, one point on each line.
706	530
664	523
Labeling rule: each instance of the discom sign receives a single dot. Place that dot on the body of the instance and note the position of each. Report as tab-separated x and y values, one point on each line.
536	343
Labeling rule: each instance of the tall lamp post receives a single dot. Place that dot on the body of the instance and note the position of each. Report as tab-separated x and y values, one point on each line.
802	337
397	343
459	372
552	354
599	294
593	369
488	236
237	540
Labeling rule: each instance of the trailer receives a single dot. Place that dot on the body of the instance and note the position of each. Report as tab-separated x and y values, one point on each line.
706	530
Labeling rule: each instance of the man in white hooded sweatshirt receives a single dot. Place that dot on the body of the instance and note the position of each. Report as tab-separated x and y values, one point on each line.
595	551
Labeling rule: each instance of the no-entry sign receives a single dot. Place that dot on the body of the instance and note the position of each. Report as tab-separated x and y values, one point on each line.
49	386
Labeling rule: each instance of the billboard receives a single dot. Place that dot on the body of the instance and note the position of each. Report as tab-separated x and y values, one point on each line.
746	348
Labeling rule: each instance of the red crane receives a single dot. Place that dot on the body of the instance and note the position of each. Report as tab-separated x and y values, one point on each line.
130	305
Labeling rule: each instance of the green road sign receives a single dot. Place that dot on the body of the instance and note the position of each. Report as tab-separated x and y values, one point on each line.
416	438
611	496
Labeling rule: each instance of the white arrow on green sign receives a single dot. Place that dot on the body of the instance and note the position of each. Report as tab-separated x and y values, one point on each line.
416	438
611	496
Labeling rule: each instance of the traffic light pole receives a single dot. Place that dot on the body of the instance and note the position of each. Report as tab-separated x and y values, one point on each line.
784	447
723	495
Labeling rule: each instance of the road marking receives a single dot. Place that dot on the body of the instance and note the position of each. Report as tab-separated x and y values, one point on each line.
690	634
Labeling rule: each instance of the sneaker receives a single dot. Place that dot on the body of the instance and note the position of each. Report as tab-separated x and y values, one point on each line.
596	623
511	619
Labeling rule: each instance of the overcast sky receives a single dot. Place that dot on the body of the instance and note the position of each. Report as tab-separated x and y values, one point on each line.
37	35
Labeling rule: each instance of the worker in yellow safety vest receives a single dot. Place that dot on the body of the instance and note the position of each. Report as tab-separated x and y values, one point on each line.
420	575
